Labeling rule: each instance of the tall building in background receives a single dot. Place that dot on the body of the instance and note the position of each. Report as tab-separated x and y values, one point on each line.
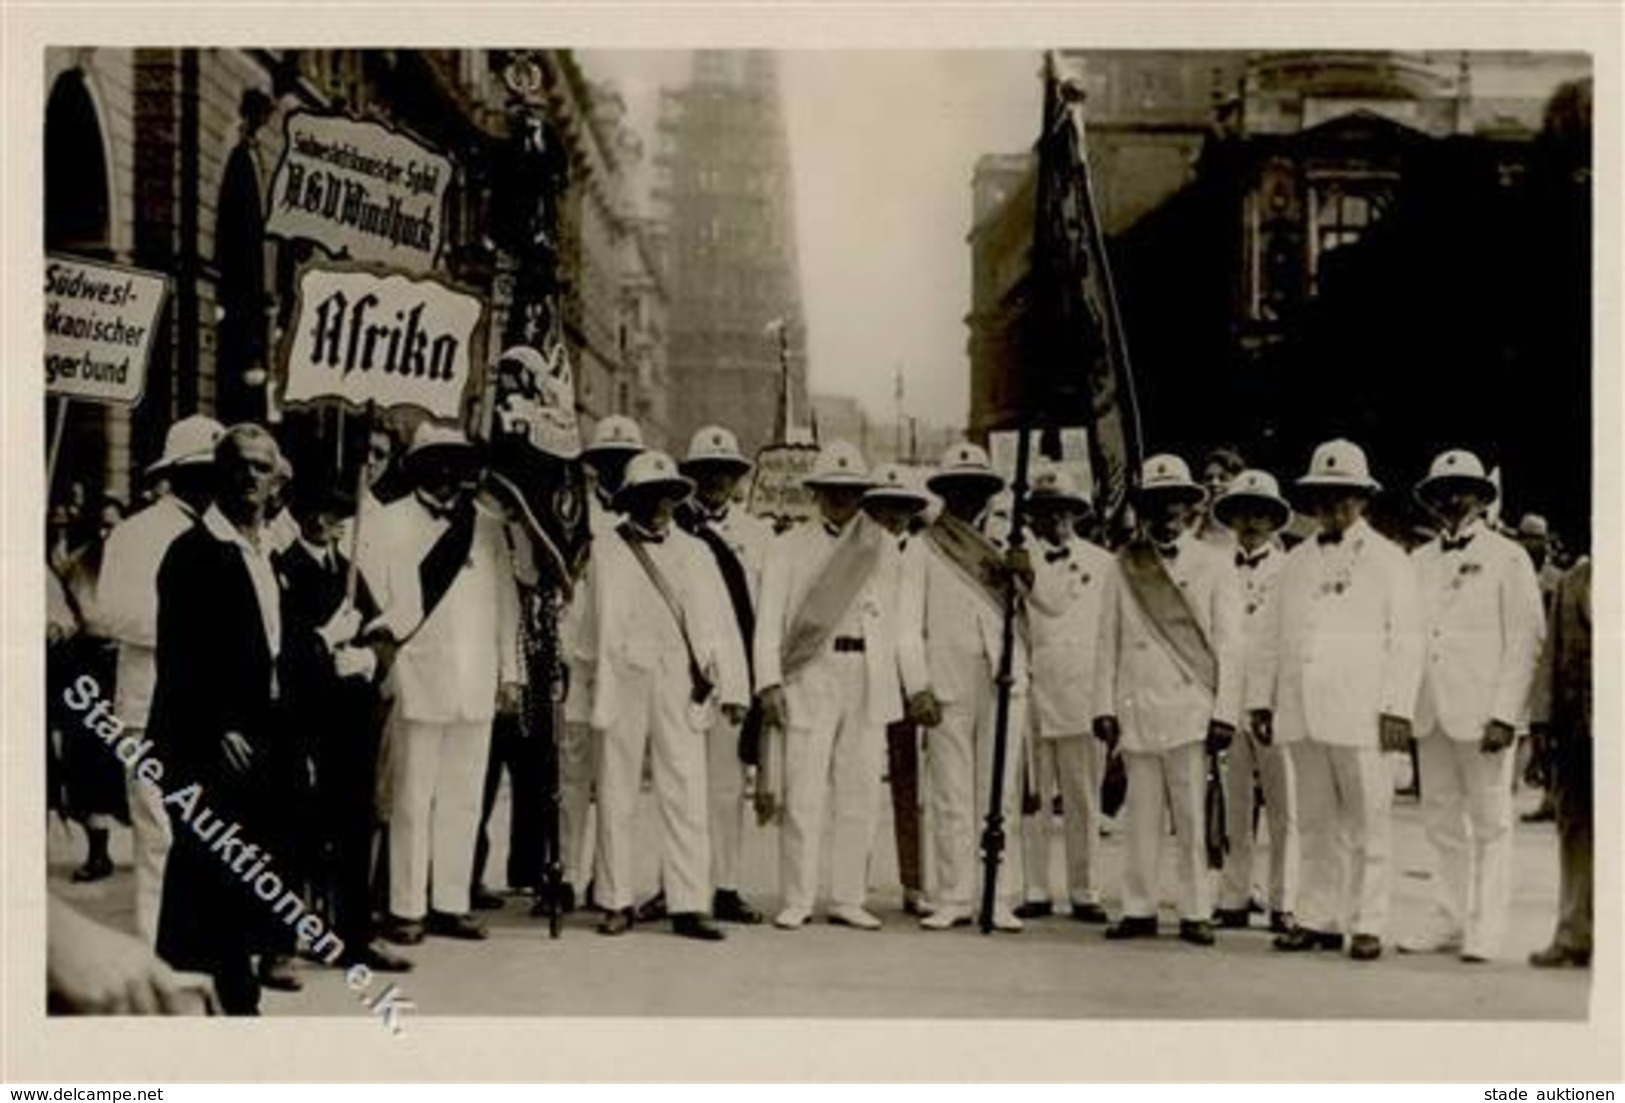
724	165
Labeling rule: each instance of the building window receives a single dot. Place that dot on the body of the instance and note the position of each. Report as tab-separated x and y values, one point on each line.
1342	212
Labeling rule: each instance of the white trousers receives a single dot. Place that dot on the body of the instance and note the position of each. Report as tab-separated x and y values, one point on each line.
959	775
1345	834
653	718
833	755
149	847
1070	766
1274	772
1159	783
578	770
439	780
1467	810
725	783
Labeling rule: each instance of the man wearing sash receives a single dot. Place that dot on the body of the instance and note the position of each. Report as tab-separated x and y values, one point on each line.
1252	508
1169	681
826	659
1484	626
439	568
1069	581
662	658
1337	678
738	543
615	440
952	614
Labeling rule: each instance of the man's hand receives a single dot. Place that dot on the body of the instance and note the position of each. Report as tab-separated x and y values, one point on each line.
94	970
510	698
775	709
1262	724
1219	736
1018	567
924	709
340	628
355	662
734	714
1498	736
238	752
1393	733
1108	731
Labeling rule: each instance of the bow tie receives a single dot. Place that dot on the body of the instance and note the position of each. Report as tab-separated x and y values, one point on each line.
1457	544
1248	562
642	535
1167	551
1327	538
833	529
1057	555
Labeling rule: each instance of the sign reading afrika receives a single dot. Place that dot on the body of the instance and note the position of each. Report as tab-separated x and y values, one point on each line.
776	489
362	336
360	191
100	320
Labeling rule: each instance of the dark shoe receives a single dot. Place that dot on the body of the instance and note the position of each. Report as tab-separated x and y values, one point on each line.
277	973
1282	922
484	900
465	927
1133	926
652	910
377	958
729	907
403	932
1299	939
1198	932
696	926
1365	947
1089	913
1556	957
1035	909
1231	918
94	869
616	922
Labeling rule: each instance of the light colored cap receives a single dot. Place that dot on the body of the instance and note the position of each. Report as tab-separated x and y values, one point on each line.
615	433
1054	483
191	440
1166	473
651	471
839	463
1339	463
1252	488
896	482
716	446
1456	466
965	462
1533	524
431	435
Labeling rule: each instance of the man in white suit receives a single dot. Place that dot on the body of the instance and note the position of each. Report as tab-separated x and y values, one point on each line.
1252	508
661	660
826	658
1069	581
1168	685
1336	683
952	625
738	543
1482	615
440	567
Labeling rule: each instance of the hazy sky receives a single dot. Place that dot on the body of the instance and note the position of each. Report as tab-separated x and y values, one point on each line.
882	145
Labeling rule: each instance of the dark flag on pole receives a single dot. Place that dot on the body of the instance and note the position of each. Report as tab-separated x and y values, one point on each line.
1076	360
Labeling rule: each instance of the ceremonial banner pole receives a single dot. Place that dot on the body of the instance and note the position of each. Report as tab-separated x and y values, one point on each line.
59	425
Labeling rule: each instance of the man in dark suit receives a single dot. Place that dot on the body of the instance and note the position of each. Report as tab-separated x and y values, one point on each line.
214	721
332	707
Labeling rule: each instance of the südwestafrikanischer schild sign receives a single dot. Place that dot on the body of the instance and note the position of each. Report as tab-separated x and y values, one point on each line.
100	324
360	191
361	336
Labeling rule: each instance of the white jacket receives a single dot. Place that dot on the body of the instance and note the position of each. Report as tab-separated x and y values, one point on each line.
1257	586
1159	705
449	669
127	599
1069	587
951	634
1346	642
1484	625
793	562
627	628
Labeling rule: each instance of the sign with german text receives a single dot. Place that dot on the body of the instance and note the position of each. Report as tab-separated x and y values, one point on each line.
100	322
776	490
360	191
361	336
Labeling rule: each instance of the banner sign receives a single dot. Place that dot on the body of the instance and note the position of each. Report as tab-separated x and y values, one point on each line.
776	490
100	323
1001	447
360	191
363	336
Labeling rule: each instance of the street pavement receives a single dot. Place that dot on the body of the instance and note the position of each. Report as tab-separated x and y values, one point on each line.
1056	968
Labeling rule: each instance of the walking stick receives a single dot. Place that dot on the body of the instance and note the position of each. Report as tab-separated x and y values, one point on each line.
993	834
